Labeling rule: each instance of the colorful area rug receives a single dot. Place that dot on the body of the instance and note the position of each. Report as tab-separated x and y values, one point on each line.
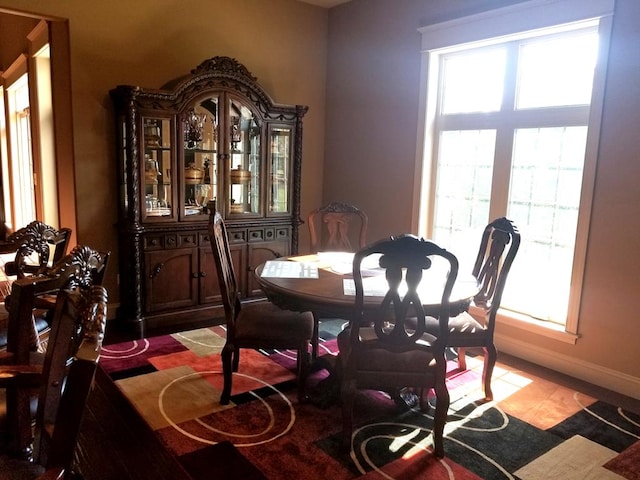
533	430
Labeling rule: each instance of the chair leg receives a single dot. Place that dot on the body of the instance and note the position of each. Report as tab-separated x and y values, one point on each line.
314	337
303	370
18	406
227	373
440	419
347	395
490	357
462	358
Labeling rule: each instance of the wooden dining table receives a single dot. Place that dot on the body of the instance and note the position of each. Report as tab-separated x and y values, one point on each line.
329	296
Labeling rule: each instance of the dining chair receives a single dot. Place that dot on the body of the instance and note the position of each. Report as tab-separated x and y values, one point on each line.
64	382
498	247
31	249
257	324
30	297
340	227
379	350
32	245
337	226
82	267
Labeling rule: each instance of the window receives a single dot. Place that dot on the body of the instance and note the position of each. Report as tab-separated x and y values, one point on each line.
511	126
20	181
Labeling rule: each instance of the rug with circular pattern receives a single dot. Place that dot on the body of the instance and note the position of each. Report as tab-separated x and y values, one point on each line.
533	430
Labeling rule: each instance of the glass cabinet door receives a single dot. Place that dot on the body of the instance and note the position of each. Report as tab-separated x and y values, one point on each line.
156	166
200	150
244	161
280	155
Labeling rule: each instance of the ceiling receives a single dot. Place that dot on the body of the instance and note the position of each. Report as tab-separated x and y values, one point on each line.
325	3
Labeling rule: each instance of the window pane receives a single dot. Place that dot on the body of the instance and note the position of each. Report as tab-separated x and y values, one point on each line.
473	82
463	188
544	199
557	71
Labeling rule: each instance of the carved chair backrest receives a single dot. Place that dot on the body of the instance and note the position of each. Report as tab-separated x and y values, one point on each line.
224	268
68	371
82	268
336	226
498	248
37	239
399	319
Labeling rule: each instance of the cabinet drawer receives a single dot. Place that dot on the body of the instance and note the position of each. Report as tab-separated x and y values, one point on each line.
281	233
171	240
203	239
257	234
187	240
154	242
237	236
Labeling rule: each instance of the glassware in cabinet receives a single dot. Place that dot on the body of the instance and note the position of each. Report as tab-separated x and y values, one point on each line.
280	155
200	156
156	168
244	160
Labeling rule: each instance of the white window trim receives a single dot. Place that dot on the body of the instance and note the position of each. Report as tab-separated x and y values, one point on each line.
491	25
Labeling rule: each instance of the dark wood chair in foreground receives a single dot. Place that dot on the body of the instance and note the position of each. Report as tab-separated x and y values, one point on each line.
81	268
498	247
32	296
33	245
335	227
64	381
254	325
379	350
37	246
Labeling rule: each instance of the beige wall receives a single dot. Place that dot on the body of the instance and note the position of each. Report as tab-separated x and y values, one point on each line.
372	95
149	42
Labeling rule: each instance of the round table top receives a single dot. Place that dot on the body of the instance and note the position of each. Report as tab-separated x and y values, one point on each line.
331	293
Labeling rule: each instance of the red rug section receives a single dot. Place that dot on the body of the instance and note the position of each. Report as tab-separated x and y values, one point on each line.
627	464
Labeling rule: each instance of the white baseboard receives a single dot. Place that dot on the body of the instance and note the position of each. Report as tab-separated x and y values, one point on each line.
589	372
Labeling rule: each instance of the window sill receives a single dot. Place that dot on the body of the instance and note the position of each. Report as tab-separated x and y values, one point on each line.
528	324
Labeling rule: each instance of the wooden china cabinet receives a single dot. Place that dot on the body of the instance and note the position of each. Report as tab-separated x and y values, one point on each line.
212	135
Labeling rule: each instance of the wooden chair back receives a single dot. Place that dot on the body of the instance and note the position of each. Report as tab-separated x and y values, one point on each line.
81	268
224	268
405	259
65	380
498	247
337	227
37	239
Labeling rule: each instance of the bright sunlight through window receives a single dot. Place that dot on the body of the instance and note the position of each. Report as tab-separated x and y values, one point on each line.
509	137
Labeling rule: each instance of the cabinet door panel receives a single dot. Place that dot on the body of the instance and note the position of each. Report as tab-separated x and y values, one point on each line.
260	252
209	285
171	279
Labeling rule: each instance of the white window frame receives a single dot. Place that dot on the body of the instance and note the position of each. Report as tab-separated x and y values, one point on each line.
497	25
